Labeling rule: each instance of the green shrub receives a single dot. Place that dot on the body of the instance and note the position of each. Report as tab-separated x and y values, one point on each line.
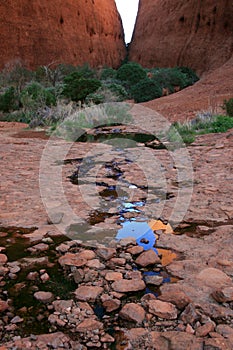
108	73
131	73
78	88
191	76
228	106
205	123
169	78
146	90
93	116
86	71
8	100
35	95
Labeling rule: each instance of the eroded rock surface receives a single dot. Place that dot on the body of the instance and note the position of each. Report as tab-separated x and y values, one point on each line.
73	32
172	33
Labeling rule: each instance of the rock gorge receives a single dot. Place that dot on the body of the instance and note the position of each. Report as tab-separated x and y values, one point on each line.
74	32
198	34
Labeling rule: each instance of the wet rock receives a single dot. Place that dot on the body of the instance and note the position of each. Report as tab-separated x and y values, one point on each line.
106	253
113	276
175	296
89	325
44	297
212	277
3	306
162	309
154	280
3	259
133	312
204	330
148	257
125	286
88	293
223	295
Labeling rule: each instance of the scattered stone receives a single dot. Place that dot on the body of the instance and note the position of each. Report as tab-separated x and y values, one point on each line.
62	248
223	295
55	218
212	277
86	255
111	304
41	247
88	293
62	305
113	276
175	296
117	262
204	330
124	242
148	257
45	277
162	309
3	306
78	276
16	320
189	315
70	259
106	253
95	264
133	312
31	263
225	330
44	297
3	259
106	338
154	280
32	276
189	329
89	325
135	250
125	286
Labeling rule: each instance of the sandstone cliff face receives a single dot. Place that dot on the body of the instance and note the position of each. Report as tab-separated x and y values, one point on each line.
194	33
39	32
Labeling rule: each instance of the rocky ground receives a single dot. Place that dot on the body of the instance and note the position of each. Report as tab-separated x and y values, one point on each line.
87	290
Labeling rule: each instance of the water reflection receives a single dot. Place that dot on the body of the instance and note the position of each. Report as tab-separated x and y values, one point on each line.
141	231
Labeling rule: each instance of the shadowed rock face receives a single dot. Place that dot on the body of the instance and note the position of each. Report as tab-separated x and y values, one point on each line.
73	31
193	33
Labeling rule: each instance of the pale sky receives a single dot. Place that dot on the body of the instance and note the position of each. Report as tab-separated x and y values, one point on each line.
128	10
